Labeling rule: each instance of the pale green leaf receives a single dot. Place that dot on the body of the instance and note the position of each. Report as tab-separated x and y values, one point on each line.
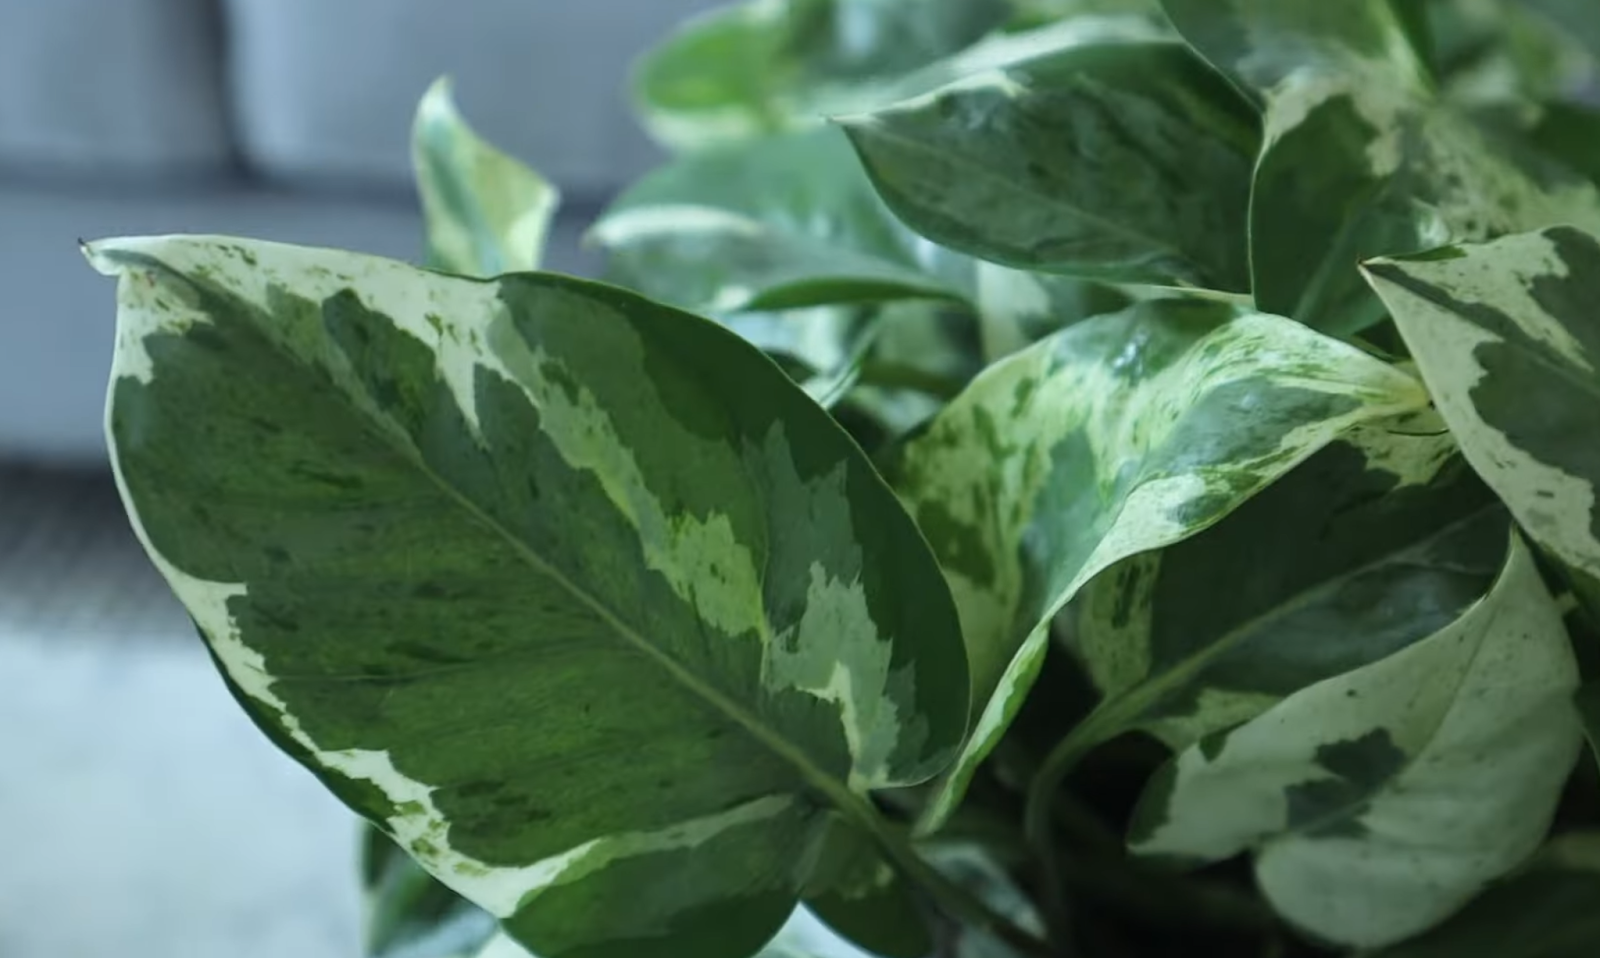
1547	910
766	66
486	213
1120	434
776	223
1506	337
1126	161
1379	802
409	914
1361	158
576	596
1379	540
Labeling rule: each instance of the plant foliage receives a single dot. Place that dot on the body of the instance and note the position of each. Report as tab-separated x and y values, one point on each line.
1101	478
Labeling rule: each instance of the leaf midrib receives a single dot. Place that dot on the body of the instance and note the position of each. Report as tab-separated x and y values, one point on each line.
963	160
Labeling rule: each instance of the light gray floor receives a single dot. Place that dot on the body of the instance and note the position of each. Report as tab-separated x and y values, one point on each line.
141	814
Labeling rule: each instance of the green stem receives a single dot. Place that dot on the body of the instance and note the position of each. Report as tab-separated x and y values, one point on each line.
1038	817
957	902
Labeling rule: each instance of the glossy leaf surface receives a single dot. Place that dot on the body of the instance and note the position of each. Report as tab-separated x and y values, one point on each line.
1120	434
1379	802
575	595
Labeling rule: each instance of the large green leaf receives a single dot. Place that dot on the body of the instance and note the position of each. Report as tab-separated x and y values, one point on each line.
1381	539
1547	910
573	594
486	213
765	66
1379	802
1361	158
1508	340
1127	161
1120	434
776	223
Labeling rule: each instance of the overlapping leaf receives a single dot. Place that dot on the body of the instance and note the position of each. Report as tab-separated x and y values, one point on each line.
1507	337
1380	540
766	66
1127	161
1123	433
1360	158
486	213
1379	802
573	594
1547	910
776	223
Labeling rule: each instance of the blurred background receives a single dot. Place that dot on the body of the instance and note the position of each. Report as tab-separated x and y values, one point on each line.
140	813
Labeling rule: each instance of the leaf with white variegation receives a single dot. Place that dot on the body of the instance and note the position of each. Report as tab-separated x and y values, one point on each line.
1125	161
1120	434
575	595
1507	336
1381	539
776	223
1361	159
761	67
486	213
1379	802
1546	910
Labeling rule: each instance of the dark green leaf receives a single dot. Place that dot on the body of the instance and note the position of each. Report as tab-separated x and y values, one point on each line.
575	595
1125	161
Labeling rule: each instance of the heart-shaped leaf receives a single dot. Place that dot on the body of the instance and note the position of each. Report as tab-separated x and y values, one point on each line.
1507	337
1120	434
486	213
1379	802
1126	161
1379	540
573	594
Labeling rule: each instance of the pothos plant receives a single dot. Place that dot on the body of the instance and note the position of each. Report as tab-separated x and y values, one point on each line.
1042	477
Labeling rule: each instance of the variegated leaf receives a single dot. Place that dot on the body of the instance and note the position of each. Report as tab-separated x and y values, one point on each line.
1588	703
864	900
1546	910
1379	540
1127	161
1507	337
765	66
1123	433
573	594
777	223
1361	159
1379	802
486	213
